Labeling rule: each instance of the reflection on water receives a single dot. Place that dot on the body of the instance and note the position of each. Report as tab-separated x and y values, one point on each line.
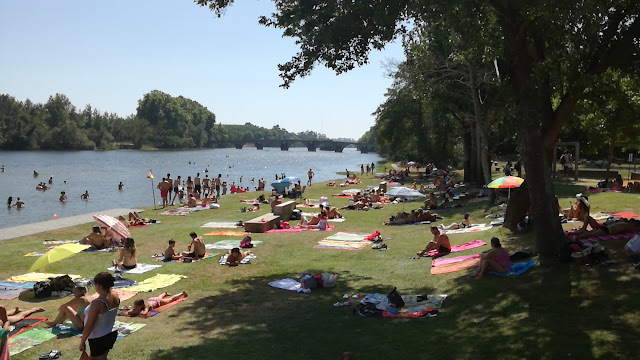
99	173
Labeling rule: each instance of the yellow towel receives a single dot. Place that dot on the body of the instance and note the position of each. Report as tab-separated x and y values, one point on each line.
156	282
37	277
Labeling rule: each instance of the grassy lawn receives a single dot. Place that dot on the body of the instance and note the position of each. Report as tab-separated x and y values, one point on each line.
552	311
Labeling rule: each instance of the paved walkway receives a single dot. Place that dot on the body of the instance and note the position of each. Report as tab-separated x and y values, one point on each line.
44	226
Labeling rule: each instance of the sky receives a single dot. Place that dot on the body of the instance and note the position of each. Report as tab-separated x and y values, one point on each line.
110	53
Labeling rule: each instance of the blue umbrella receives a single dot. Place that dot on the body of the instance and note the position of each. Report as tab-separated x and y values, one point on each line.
291	179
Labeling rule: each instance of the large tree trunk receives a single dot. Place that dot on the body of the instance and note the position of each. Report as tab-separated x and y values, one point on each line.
484	168
466	153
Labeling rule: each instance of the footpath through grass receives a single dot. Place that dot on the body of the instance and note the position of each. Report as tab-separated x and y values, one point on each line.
552	311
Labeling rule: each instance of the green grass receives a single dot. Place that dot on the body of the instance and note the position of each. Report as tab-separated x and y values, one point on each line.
553	311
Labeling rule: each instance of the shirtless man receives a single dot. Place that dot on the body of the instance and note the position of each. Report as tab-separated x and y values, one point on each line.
274	202
218	183
11	317
198	246
63	197
189	186
176	186
95	239
440	242
310	175
170	253
206	185
197	187
170	181
164	192
19	203
85	196
620	227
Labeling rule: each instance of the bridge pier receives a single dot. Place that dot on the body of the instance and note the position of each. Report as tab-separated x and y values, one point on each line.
259	145
284	146
238	145
312	145
364	149
338	147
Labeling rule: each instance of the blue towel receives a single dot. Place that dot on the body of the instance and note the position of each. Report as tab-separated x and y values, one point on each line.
517	268
14	285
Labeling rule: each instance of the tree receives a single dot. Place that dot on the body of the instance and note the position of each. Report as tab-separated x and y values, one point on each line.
550	49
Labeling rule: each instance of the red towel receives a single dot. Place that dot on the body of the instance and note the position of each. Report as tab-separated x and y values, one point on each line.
445	261
456	266
470	245
625	214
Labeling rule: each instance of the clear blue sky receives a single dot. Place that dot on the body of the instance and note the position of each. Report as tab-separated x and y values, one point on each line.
109	53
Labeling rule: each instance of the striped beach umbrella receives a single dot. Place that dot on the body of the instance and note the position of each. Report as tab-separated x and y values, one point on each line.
114	224
506	182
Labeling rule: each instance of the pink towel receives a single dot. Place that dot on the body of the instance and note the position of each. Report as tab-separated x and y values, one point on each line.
470	245
296	229
452	260
610	237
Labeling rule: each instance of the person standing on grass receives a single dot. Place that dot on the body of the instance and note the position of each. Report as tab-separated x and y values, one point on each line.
100	316
176	187
310	175
170	182
164	192
197	188
218	183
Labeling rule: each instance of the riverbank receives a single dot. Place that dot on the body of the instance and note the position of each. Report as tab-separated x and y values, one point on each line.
547	312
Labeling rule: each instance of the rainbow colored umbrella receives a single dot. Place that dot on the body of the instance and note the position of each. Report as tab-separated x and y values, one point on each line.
506	182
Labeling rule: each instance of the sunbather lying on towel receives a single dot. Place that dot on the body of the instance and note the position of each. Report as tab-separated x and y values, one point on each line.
620	227
403	218
465	223
135	219
496	259
13	316
235	256
193	202
141	307
80	301
440	242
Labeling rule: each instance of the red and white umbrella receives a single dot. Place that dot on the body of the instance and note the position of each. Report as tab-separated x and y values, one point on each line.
114	224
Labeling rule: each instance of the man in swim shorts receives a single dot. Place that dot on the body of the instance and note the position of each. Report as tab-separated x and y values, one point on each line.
197	187
170	181
164	192
176	185
440	242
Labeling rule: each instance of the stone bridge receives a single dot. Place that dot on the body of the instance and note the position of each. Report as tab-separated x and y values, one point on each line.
284	145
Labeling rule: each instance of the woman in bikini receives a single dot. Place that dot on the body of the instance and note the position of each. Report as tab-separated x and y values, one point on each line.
465	223
74	309
127	258
141	307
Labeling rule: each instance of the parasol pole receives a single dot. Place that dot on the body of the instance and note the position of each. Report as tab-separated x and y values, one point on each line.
153	189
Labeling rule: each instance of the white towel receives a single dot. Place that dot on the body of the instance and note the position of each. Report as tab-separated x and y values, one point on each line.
140	269
286	284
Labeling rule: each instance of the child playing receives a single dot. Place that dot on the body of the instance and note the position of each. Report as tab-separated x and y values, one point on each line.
236	256
141	307
170	254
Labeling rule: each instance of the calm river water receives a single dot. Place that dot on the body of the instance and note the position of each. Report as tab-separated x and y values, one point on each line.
99	172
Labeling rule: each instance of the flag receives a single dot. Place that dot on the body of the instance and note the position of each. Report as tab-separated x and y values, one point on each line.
149	175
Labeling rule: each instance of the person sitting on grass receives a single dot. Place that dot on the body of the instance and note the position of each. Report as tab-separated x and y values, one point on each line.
193	202
198	246
170	253
333	213
11	317
440	243
496	259
403	218
426	216
236	256
127	258
619	227
74	307
95	239
579	210
588	221
465	223
141	307
431	203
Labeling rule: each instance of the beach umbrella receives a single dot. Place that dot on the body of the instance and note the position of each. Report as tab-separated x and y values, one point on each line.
405	193
56	254
506	182
114	224
291	179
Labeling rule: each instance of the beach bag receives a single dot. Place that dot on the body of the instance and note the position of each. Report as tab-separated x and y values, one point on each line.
329	280
368	309
61	283
42	289
395	299
308	281
246	243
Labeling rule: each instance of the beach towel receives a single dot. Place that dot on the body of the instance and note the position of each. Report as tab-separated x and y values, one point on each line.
15	285
625	214
139	269
183	210
472	229
206	256
156	282
35	277
297	228
24	324
346	236
4	344
417	223
221	225
59	242
122	282
229	244
475	200
445	261
456	266
605	237
517	268
246	260
416	306
10	294
33	254
28	339
457	248
342	244
125	294
68	330
286	284
227	233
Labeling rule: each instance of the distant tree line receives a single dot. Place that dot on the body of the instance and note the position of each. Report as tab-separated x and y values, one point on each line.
161	121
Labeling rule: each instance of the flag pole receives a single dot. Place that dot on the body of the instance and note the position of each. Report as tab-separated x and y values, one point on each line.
153	189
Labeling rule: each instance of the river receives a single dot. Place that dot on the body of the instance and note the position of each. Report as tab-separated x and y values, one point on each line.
99	172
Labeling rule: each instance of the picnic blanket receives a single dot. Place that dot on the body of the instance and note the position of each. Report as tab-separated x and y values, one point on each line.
221	225
206	256
24	324
457	248
472	229
455	266
28	339
10	294
227	233
517	268
156	282
625	214
139	269
286	284
122	282
416	306
67	329
605	237
445	261
125	294
246	260
35	277
297	228
59	242
229	244
16	285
